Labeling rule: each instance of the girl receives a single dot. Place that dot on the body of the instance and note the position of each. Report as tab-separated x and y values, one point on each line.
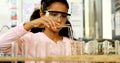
53	41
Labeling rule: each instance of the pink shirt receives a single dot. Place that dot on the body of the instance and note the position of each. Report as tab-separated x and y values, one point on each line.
35	44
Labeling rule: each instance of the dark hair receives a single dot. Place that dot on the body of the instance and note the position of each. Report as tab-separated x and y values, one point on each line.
66	31
46	3
35	15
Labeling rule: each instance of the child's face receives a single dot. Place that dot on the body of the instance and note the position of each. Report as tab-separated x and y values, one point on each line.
58	12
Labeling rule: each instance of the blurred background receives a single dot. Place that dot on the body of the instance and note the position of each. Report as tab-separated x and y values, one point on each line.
90	19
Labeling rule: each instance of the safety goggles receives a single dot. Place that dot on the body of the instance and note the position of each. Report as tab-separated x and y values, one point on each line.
58	14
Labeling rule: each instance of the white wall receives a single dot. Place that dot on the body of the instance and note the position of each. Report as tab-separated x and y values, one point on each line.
106	15
4	15
4	12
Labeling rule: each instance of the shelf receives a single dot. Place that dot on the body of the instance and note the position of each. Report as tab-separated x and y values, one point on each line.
96	58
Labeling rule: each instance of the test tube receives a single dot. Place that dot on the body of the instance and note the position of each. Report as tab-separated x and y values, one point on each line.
13	49
23	49
90	47
95	47
106	47
117	47
73	47
81	47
